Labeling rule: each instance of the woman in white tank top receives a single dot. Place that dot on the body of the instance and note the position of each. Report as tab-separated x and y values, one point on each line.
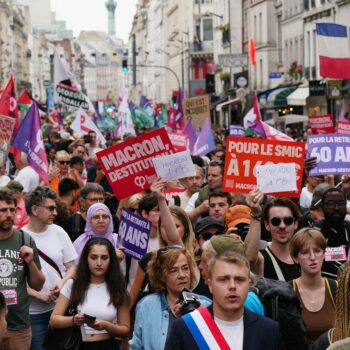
99	291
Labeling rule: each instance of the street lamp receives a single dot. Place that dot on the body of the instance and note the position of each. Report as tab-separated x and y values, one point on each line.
209	13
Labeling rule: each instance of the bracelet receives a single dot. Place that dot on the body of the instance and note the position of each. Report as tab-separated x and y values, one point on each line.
256	217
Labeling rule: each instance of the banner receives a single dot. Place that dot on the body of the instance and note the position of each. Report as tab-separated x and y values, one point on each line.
244	154
128	165
196	109
179	141
321	124
29	139
7	125
332	154
133	234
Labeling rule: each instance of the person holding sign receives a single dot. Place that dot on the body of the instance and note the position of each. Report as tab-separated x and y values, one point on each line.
170	271
99	293
317	294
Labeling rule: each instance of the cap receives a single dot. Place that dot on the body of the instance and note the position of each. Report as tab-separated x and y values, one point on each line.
206	222
226	243
238	214
15	186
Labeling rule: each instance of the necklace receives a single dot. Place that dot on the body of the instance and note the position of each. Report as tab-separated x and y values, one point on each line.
311	295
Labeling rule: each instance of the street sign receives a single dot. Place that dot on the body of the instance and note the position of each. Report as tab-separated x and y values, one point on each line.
233	60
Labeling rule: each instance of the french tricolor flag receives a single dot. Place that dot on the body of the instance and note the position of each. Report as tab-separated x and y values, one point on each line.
334	50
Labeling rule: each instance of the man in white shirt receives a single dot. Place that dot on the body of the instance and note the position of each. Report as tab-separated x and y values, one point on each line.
26	175
226	324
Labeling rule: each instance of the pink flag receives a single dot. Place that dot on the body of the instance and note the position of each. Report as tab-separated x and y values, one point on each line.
252	119
274	134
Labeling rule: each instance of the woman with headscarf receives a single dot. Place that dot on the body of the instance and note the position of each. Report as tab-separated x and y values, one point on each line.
99	223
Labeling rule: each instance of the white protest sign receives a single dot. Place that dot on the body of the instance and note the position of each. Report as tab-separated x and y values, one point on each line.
273	178
174	166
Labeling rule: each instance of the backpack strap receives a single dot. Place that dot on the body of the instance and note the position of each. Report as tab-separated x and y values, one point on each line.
294	285
275	265
332	286
50	262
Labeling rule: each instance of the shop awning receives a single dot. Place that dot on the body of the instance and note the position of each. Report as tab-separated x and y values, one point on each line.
219	106
278	97
299	96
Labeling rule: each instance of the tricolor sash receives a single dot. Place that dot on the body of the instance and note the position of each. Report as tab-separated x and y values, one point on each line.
204	330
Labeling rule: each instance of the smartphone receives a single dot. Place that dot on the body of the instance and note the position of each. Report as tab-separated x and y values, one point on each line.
89	318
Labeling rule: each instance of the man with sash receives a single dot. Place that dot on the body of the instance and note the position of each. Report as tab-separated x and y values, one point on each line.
226	324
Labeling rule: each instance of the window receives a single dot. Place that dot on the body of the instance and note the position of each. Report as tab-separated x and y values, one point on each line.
207	29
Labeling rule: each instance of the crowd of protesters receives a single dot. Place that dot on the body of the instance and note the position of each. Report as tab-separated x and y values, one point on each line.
58	248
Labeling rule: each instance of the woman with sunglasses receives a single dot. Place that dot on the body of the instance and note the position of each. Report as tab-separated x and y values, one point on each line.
317	294
60	170
99	223
174	227
170	270
99	293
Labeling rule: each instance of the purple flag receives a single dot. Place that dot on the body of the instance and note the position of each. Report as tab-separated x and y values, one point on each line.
190	132
205	142
29	139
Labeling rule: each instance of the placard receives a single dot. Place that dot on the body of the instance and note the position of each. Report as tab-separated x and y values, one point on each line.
128	165
332	152
179	141
196	109
343	127
274	178
133	234
174	166
236	130
7	125
244	154
321	124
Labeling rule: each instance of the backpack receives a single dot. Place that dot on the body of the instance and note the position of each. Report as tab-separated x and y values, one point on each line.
282	305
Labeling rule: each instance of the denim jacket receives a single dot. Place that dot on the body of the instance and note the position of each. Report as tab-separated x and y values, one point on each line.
152	321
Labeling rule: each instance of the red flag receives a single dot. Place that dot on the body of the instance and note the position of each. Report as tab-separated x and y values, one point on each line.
252	51
24	98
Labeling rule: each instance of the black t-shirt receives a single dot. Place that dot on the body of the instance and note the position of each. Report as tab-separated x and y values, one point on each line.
289	271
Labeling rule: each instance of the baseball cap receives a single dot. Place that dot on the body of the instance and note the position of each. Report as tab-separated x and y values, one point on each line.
204	223
14	186
227	243
238	214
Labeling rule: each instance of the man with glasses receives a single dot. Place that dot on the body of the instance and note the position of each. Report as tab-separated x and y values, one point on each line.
280	217
19	266
335	229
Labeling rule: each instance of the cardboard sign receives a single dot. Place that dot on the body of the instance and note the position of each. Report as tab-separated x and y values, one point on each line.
196	109
244	154
343	127
7	125
236	130
274	178
175	166
321	124
133	234
332	152
179	141
128	166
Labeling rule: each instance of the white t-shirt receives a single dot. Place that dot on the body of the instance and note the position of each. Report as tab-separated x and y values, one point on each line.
95	304
191	202
28	178
56	244
305	198
232	332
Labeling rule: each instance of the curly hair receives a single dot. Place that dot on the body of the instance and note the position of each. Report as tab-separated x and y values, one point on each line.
114	278
38	196
161	263
188	237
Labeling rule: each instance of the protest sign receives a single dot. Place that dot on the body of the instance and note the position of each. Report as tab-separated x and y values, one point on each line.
272	178
174	166
343	127
7	124
173	192
196	109
244	154
236	130
133	234
321	124
128	165
332	152
179	141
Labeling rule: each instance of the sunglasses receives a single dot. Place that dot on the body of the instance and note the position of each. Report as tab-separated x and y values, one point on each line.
289	220
167	248
64	162
50	208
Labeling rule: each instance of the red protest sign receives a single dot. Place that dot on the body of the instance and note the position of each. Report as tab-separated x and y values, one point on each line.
128	165
343	127
173	192
244	154
321	124
179	141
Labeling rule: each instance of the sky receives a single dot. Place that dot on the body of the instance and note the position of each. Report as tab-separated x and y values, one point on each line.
92	15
